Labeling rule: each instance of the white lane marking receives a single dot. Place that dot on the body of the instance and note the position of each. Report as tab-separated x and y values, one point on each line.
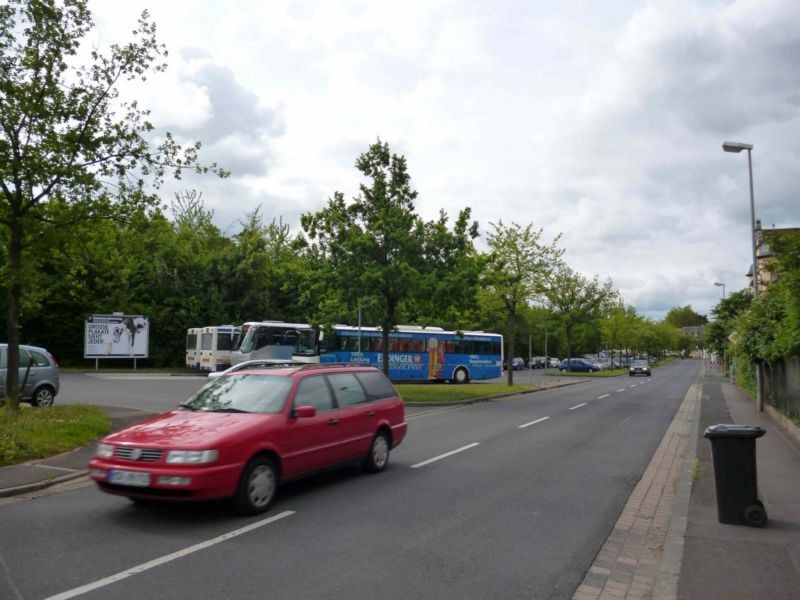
532	423
578	406
165	559
625	421
603	396
445	455
622	390
634	385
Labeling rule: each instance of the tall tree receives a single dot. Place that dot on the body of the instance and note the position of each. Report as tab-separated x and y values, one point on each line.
684	316
66	136
374	244
519	266
450	273
578	300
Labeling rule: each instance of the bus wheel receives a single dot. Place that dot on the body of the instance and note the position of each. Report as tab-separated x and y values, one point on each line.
461	375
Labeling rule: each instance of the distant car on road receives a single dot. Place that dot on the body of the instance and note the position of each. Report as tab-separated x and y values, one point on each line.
639	367
244	433
42	384
579	365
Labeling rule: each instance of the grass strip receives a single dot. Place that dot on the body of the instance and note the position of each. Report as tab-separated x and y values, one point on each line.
31	433
432	392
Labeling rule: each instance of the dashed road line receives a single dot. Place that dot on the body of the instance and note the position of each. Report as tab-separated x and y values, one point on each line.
578	406
603	396
445	455
168	558
532	423
622	390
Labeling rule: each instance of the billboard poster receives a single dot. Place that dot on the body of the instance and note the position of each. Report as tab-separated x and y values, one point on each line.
116	336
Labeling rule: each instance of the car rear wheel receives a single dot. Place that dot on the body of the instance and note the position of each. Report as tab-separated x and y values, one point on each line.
378	457
44	396
257	486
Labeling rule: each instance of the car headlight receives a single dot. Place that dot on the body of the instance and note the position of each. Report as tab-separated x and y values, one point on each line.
191	457
104	450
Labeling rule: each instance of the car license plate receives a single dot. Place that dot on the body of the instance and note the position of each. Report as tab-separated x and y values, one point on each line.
133	478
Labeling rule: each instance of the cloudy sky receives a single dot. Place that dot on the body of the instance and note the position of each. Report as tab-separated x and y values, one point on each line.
600	120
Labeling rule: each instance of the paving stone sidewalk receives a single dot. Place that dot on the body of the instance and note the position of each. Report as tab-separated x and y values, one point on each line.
641	557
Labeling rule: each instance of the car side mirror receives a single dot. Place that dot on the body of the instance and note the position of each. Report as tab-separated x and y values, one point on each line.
304	412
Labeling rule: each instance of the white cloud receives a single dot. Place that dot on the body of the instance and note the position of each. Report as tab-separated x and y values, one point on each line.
603	121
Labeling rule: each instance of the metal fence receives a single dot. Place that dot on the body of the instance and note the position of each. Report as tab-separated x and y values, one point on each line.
782	386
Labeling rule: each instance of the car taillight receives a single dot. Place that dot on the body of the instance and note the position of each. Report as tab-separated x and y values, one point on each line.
53	358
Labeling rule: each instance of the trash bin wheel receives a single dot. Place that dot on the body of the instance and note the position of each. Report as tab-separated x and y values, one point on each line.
755	515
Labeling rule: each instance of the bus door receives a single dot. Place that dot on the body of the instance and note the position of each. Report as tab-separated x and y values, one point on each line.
192	348
206	348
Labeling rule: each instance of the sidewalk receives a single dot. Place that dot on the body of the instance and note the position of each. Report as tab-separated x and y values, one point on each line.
668	542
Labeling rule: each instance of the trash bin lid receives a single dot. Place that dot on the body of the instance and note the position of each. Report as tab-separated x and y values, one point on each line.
736	431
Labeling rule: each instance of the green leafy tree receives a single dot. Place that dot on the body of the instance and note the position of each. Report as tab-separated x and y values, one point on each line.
519	266
373	245
578	300
616	326
450	274
725	314
684	316
66	136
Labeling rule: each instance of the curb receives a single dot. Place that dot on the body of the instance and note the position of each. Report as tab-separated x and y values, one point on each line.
40	485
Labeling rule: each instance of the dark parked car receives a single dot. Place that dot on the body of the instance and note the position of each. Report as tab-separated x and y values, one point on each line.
579	365
639	367
517	364
244	433
42	383
538	362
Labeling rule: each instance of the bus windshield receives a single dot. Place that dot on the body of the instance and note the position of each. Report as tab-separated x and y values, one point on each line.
301	341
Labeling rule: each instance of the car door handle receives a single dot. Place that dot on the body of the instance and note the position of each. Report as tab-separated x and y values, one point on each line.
333	422
371	413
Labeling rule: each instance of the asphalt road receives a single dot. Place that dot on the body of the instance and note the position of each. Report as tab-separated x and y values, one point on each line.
505	499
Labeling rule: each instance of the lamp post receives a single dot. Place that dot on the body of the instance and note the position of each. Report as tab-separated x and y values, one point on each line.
724	350
738	147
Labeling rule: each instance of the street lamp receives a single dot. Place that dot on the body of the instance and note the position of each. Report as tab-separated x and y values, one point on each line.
738	147
722	285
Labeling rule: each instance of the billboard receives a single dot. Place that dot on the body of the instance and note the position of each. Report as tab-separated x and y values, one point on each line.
116	336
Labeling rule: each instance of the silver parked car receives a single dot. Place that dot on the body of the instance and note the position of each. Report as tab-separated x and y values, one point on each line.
42	383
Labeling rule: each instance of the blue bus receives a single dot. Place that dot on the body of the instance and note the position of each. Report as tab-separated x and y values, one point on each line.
418	353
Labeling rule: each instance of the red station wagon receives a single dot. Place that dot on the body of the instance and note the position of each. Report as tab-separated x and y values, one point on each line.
244	433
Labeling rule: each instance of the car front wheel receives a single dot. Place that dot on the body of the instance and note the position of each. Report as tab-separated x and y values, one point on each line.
257	486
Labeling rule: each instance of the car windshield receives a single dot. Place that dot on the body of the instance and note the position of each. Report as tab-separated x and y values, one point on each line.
640	363
242	393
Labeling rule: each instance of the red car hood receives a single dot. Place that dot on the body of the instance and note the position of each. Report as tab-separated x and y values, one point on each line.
191	430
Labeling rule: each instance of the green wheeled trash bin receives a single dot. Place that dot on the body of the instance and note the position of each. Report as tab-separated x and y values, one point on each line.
734	450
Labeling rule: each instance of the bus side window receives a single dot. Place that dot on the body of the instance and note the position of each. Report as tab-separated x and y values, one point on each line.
262	339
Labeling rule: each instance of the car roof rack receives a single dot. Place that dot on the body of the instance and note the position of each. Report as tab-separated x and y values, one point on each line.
311	366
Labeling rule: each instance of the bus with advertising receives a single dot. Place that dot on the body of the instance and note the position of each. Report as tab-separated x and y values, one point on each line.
193	347
216	343
276	339
419	353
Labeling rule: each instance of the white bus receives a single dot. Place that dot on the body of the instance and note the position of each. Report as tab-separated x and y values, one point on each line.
216	343
276	339
193	347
